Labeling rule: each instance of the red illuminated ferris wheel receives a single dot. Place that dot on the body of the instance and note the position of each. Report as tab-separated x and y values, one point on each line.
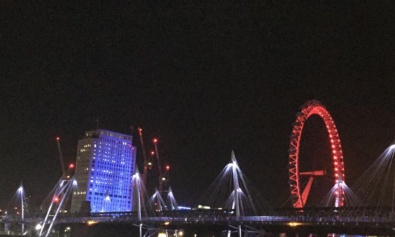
298	196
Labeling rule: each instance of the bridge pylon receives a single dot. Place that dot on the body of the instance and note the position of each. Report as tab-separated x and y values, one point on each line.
61	193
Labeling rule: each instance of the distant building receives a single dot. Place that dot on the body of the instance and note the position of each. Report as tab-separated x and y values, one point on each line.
105	164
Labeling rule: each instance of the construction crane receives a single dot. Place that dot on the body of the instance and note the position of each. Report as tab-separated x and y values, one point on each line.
61	157
144	175
152	154
163	176
65	173
155	141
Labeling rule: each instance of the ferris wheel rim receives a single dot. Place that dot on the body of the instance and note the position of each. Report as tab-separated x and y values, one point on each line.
308	109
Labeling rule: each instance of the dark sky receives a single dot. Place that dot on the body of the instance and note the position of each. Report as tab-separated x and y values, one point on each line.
204	77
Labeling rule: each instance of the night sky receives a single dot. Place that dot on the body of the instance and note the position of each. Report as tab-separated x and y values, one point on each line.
204	77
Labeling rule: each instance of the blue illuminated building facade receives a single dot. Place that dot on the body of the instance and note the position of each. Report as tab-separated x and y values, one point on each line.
105	164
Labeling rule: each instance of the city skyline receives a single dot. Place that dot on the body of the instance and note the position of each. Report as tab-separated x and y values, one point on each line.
204	78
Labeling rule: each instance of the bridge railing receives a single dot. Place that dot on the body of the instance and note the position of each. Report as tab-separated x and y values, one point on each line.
366	215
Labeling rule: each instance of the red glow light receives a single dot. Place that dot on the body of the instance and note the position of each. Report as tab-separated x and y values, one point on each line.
55	199
152	153
167	167
57	138
71	166
155	140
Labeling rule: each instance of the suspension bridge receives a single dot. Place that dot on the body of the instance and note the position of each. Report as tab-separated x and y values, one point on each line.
368	207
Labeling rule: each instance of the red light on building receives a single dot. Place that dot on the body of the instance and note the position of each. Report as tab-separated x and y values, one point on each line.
155	140
57	138
71	166
55	199
152	153
167	167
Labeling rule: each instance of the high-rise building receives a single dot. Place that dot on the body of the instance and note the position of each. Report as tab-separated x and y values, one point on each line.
105	164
